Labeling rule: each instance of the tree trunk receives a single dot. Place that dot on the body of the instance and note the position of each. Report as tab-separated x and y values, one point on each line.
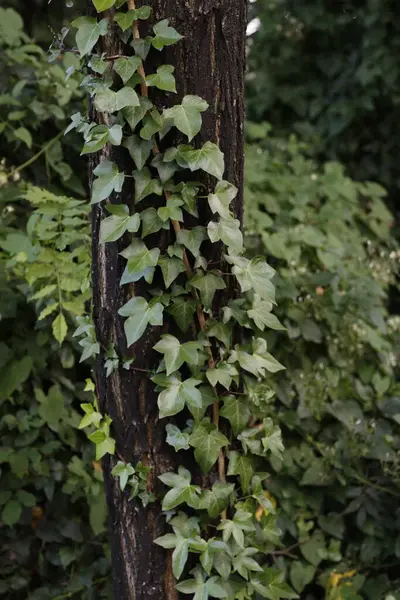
209	61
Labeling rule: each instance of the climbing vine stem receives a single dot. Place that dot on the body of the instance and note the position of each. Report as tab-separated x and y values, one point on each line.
194	378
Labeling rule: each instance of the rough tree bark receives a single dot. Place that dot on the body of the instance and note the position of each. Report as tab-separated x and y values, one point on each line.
209	62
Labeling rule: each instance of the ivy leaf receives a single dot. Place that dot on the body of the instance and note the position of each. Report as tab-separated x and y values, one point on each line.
186	116
164	35
207	441
301	575
170	268
183	312
182	491
241	522
270	584
258	362
60	328
151	222
125	20
228	231
165	169
223	373
108	101
139	257
176	438
176	394
123	471
152	123
262	316
89	31
216	499
207	285
202	590
175	353
237	412
209	158
163	79
272	439
172	210
139	149
242	466
145	185
142	46
109	179
24	135
192	239
220	200
134	114
140	313
243	563
113	228
126	67
254	275
101	5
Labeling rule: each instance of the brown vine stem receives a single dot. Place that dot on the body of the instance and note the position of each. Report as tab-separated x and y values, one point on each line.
188	269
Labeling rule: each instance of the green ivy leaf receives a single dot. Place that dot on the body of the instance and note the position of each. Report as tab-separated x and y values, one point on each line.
164	35
125	20
123	471
142	46
151	222
108	101
89	31
209	158
60	328
182	491
153	122
109	179
207	285
176	438
223	374
145	185
254	275
220	200
216	499
207	441
301	575
237	412
163	79
262	316
228	231
165	169
140	313
175	353
270	584
101	5
241	465
134	114
113	228
176	394
244	564
258	362
140	257
242	522
172	210
183	311
170	268
202	590
126	67
187	116
139	149
192	239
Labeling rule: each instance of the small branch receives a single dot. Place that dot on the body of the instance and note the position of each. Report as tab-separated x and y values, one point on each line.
37	155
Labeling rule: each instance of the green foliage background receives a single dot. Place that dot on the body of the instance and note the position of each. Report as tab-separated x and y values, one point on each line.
331	75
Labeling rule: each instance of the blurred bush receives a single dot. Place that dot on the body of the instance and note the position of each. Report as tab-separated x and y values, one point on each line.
338	402
52	507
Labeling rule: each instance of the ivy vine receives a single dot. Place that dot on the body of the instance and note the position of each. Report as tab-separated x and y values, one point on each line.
225	381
